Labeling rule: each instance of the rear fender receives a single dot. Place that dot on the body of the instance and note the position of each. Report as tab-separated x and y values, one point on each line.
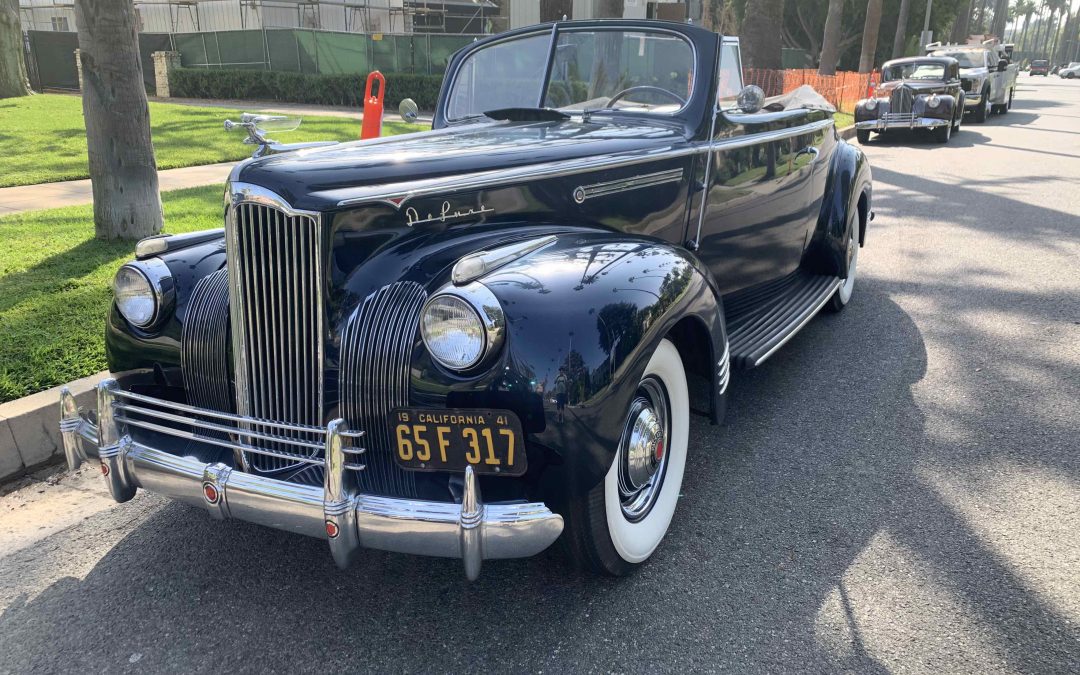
849	180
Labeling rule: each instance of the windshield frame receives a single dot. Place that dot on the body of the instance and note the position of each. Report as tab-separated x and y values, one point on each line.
442	117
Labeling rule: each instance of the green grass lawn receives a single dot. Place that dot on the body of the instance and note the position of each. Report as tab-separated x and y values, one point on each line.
43	137
843	120
55	288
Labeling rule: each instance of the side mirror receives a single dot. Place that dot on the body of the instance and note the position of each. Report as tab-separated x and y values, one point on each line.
408	110
751	99
1003	64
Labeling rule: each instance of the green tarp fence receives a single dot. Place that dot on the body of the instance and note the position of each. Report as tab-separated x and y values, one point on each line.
292	50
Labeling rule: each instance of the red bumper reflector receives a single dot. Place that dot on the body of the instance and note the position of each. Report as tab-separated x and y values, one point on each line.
104	469
331	529
210	492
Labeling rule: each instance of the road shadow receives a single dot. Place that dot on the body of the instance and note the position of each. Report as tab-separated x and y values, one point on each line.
817	465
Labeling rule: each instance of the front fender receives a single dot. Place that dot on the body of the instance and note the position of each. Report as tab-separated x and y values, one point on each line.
583	317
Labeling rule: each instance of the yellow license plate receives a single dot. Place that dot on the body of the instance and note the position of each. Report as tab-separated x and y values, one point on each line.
490	441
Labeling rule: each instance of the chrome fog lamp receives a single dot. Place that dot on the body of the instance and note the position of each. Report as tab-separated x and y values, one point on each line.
143	291
934	101
871	104
462	328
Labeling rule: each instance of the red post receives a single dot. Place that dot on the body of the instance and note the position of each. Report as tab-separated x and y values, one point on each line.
373	107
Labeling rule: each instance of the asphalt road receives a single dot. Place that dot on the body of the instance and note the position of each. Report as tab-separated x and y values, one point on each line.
897	490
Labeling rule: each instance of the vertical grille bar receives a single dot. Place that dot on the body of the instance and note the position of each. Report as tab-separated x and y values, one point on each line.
276	289
204	345
376	347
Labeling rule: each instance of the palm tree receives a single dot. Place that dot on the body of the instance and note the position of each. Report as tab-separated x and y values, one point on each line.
761	33
870	35
1024	8
900	39
830	43
1056	7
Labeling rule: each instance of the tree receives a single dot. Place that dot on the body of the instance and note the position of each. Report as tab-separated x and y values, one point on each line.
870	36
1001	15
761	31
1024	8
830	42
961	28
900	39
12	65
123	171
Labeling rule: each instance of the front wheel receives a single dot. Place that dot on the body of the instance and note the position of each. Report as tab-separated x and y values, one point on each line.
863	135
616	526
983	111
943	134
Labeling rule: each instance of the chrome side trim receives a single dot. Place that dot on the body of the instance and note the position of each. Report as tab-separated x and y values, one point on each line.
723	372
396	194
472	531
825	297
586	192
475	265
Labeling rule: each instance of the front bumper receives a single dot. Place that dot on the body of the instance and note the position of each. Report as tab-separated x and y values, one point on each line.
901	121
349	521
972	100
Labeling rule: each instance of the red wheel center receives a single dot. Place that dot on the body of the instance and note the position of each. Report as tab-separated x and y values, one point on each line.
659	450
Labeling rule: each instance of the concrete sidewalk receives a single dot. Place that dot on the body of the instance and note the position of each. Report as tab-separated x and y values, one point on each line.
75	192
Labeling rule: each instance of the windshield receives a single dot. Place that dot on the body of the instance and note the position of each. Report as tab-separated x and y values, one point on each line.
640	70
914	71
967	59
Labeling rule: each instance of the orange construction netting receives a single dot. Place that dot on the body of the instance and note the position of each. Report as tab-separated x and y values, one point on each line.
843	89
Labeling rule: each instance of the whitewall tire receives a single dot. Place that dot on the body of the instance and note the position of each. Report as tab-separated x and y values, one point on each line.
616	526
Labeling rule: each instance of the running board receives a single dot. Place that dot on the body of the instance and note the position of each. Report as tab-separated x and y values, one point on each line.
760	320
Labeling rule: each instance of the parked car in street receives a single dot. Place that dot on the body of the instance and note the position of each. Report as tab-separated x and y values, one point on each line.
471	341
921	92
1040	67
988	76
1070	71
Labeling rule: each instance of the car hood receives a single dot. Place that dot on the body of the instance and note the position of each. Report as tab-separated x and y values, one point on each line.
308	178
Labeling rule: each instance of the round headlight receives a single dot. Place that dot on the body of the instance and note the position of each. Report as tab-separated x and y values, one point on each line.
871	104
453	332
934	101
461	328
141	289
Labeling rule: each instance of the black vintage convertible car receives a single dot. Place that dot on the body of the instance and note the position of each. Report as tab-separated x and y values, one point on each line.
469	341
915	93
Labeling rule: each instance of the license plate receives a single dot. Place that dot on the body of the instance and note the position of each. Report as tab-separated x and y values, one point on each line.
490	441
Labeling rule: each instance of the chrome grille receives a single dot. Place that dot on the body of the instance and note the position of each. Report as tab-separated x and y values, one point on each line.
376	347
204	345
277	315
901	100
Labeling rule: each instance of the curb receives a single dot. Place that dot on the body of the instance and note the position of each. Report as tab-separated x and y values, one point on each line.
847	133
30	427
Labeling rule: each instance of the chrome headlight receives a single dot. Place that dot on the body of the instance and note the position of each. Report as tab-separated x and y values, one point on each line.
871	104
934	101
143	291
463	327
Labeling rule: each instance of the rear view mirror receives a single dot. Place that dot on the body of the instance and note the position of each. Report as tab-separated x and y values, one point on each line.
1003	64
408	110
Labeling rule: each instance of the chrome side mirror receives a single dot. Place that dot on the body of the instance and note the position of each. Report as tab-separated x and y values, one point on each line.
408	110
751	99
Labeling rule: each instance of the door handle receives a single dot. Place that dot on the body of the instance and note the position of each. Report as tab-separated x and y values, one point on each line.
810	150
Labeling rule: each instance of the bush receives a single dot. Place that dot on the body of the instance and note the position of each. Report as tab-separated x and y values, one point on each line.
264	85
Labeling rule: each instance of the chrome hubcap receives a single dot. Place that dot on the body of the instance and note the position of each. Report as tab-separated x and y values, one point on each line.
643	452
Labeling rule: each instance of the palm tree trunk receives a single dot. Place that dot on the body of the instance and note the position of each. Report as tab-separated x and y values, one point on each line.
12	66
963	23
900	39
123	172
830	43
870	36
761	34
1001	14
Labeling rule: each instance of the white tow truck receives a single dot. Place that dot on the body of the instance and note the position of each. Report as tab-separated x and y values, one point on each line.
987	74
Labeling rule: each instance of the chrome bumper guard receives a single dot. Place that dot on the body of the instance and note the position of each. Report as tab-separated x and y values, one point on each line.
471	530
901	121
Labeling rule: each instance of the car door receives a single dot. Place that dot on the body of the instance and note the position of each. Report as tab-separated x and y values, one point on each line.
764	178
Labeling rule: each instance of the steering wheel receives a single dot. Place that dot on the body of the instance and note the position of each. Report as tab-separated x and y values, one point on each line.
644	87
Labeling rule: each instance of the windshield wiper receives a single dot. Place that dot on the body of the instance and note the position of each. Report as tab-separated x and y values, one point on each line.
527	114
